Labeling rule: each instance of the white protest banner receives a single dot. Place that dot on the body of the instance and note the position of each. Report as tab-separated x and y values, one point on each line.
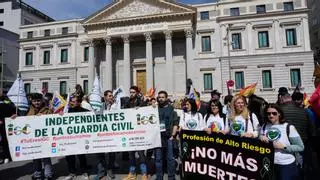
34	137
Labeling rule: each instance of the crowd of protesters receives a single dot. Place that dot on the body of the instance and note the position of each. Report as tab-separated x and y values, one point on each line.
248	117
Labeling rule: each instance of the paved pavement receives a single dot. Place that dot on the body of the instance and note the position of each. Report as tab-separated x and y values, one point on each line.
23	170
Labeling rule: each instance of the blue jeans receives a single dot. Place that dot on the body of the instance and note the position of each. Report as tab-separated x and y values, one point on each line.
286	172
101	166
143	165
170	161
48	170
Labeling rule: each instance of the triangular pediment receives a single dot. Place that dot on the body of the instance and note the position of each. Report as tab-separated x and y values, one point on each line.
123	10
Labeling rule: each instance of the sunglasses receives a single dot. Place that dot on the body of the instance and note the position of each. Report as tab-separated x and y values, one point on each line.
273	113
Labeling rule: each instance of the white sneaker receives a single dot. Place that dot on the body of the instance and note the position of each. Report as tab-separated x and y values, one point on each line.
71	176
85	176
6	161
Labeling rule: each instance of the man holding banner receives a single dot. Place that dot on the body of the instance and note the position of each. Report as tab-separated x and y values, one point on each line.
108	106
136	101
75	106
37	108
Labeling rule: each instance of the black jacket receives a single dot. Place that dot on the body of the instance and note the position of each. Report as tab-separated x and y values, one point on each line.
77	109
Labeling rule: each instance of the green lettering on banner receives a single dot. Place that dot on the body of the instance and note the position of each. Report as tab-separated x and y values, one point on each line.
77	119
41	132
58	121
71	119
122	116
57	131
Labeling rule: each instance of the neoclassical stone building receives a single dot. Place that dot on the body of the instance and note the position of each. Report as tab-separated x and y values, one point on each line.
161	43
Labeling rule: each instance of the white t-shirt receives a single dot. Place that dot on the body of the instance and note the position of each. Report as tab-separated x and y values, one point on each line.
278	132
238	126
192	122
216	123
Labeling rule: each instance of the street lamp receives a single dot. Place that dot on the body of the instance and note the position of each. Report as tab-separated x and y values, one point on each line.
227	38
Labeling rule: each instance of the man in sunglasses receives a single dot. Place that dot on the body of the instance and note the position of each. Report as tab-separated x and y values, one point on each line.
135	100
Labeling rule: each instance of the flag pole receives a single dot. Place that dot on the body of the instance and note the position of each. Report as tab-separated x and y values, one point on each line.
18	99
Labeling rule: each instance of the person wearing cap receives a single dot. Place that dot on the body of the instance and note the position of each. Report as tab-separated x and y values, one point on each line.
215	95
281	92
38	107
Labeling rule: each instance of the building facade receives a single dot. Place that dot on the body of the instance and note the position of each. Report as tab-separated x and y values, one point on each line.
13	14
163	44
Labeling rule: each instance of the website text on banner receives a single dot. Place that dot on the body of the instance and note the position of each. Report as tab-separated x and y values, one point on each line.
33	137
219	156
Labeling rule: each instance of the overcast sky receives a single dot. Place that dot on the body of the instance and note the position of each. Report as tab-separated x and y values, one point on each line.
70	9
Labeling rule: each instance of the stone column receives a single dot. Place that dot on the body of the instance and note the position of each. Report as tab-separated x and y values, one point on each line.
37	61
22	58
189	51
126	63
306	34
91	63
149	60
169	63
250	45
108	75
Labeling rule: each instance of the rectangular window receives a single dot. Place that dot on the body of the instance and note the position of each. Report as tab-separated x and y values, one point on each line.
1	23
86	54
45	86
46	57
239	77
63	87
85	87
65	30
291	37
295	77
47	32
207	81
64	56
29	57
204	15
1	11
288	6
236	41
27	88
234	12
206	43
261	9
266	79
30	34
263	37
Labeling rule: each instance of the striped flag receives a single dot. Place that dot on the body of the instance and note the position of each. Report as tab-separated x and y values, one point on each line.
193	95
248	91
95	96
17	94
58	103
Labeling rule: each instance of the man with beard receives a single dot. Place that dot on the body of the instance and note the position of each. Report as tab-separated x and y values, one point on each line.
75	106
169	123
135	100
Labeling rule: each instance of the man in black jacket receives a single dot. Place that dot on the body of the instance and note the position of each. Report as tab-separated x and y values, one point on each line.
169	123
136	101
7	109
75	106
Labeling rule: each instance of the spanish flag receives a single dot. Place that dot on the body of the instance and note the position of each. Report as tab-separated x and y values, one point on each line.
151	92
306	103
248	91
